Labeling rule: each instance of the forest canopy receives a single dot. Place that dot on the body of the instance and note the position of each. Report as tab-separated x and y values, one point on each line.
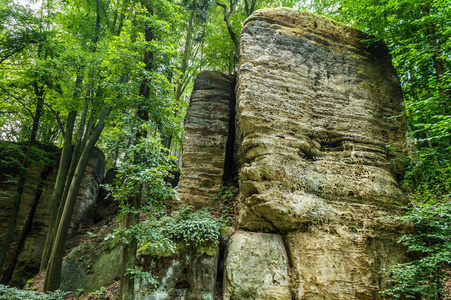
116	74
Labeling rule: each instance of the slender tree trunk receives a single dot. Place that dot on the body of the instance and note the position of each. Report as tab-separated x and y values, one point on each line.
232	34
127	283
249	8
78	149
58	189
178	91
53	276
439	64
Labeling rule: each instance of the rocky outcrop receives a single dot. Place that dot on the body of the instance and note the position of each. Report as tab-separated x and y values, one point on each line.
316	111
186	274
32	224
91	266
205	141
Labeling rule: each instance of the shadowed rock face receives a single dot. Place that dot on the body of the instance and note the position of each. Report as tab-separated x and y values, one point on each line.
34	214
315	114
204	144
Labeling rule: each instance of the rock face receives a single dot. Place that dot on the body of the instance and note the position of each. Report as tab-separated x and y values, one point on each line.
91	266
256	267
206	131
314	117
32	223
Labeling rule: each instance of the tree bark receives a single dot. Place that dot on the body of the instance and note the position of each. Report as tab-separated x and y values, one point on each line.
232	34
58	189
249	9
53	276
439	64
189	34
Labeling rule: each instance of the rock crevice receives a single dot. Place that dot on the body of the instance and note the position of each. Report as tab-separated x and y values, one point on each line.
314	124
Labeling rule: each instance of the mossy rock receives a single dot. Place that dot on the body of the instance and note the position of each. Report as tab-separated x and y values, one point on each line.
90	267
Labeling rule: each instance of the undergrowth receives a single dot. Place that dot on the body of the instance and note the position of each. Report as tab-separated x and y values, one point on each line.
8	293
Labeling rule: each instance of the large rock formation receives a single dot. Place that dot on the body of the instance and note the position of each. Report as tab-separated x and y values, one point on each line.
316	110
205	141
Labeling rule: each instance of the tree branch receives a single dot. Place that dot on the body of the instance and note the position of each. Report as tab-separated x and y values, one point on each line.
17	99
229	26
58	119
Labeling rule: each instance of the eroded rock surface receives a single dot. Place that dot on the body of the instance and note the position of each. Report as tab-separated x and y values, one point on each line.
204	144
315	116
256	267
91	266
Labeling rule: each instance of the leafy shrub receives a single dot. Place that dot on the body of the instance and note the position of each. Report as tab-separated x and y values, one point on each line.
432	240
428	181
225	194
7	293
198	228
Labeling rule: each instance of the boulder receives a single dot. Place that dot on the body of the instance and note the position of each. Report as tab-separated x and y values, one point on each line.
91	266
188	274
256	267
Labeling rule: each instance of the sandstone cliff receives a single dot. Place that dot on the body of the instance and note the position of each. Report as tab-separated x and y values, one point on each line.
317	109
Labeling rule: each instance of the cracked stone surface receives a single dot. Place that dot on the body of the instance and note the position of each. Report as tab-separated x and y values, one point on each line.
317	111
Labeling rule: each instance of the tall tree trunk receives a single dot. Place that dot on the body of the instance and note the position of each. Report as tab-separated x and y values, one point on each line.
127	283
232	34
68	163
189	34
58	189
439	64
53	276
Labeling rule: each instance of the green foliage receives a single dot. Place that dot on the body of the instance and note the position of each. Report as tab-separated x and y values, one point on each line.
429	183
8	293
225	194
198	228
143	174
142	275
432	241
223	201
99	294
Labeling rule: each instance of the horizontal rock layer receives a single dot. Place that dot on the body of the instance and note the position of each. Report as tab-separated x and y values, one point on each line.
317	109
204	144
